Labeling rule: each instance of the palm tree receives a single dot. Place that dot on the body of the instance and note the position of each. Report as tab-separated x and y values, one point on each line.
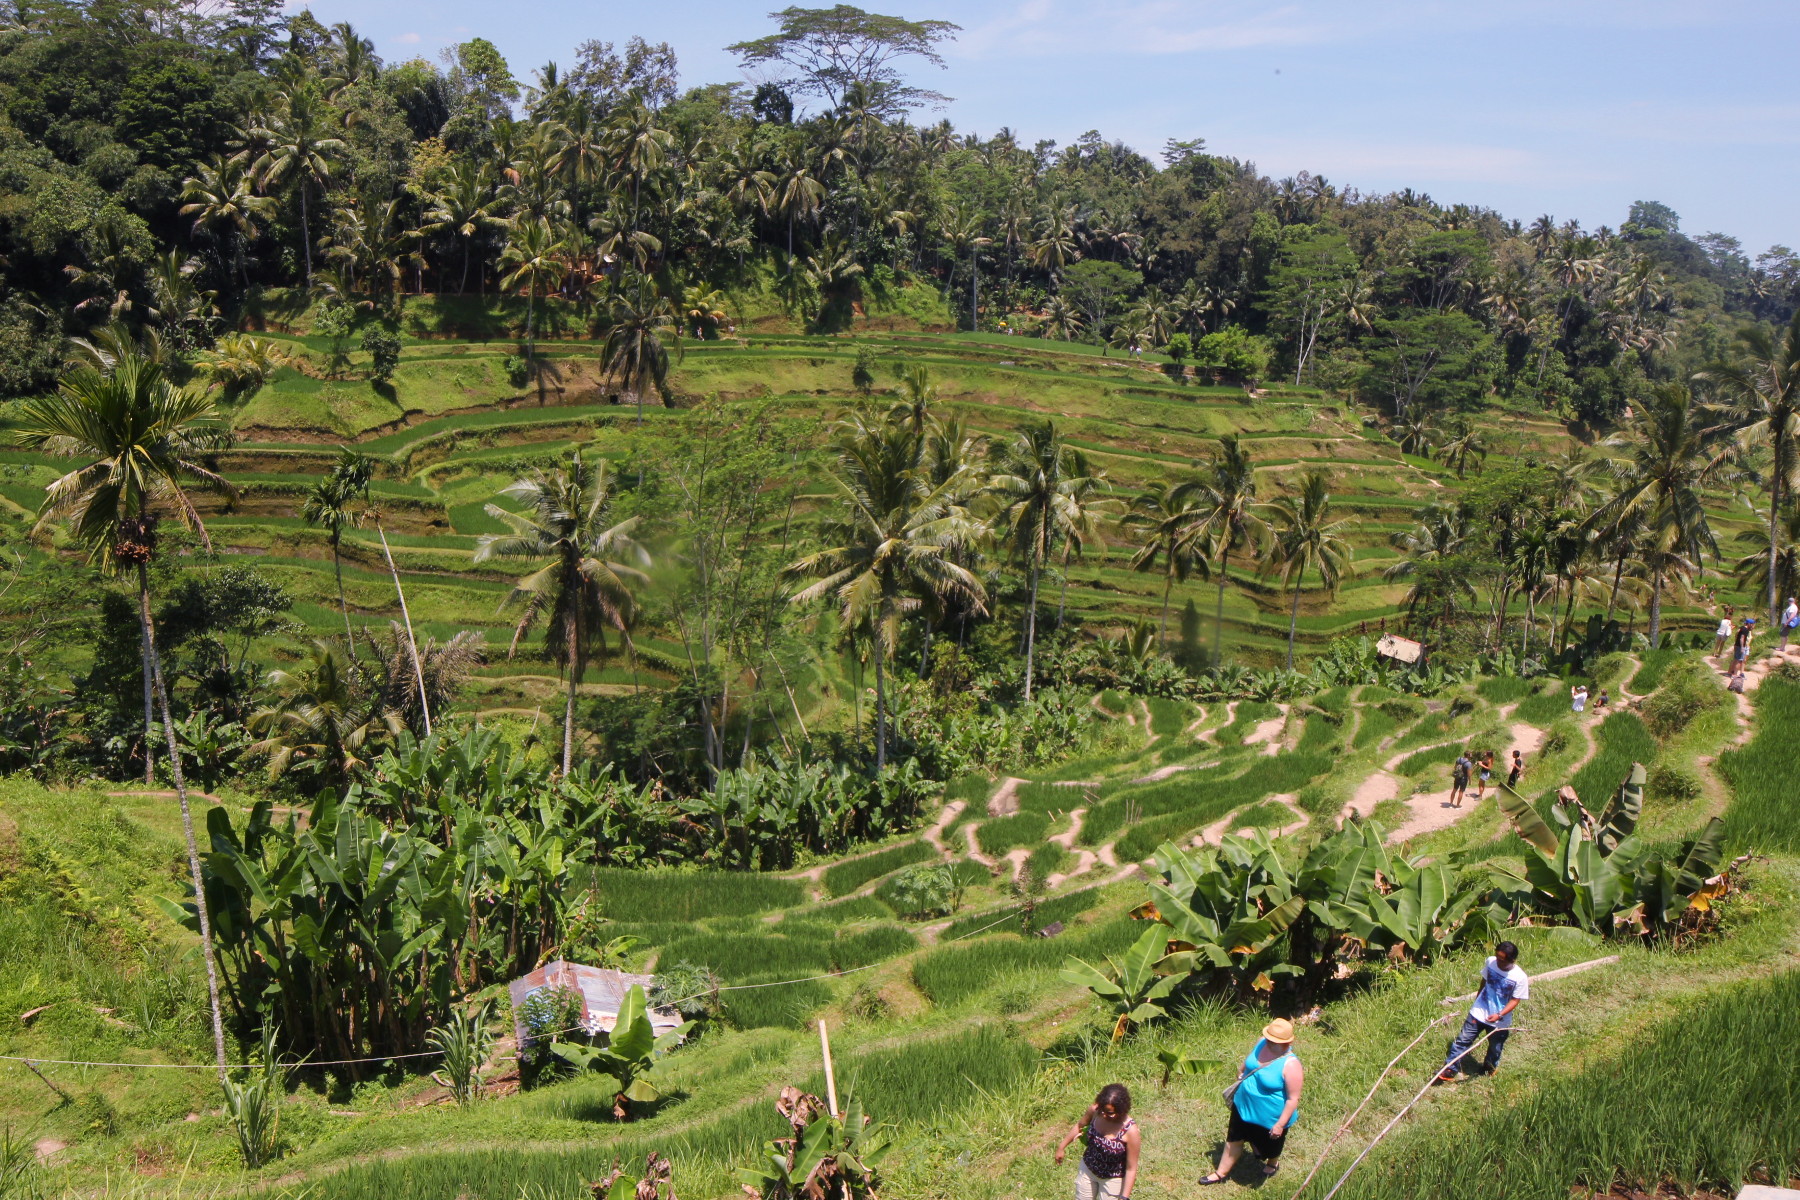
798	193
301	148
1753	569
1166	517
918	395
636	351
240	363
1306	538
535	254
1226	500
1428	550
143	437
1762	390
1033	479
890	543
586	585
1465	443
1062	319
961	227
315	720
222	199
331	505
1663	463
464	208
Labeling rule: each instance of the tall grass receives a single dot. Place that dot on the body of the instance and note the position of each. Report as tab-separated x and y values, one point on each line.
1424	760
1763	813
1623	741
1688	1103
846	877
1021	829
1168	717
1191	799
994	920
1372	725
1656	665
629	895
1250	714
951	974
1504	689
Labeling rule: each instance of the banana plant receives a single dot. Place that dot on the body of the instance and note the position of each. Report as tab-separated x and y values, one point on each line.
1418	916
1176	1063
827	1156
1225	909
1131	987
630	1055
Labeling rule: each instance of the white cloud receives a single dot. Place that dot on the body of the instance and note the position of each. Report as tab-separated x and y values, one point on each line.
1381	164
409	39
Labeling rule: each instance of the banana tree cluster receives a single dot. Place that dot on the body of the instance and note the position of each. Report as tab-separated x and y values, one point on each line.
1237	918
629	1055
1594	873
827	1156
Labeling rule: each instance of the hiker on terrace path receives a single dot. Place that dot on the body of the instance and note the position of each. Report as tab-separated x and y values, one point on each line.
1264	1102
1503	986
1109	1165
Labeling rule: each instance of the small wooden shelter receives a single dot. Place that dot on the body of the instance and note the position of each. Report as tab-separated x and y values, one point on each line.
1401	650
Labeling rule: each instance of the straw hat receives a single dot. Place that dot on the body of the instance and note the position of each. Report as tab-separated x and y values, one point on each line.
1280	1031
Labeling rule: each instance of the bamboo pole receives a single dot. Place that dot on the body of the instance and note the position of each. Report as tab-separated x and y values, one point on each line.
830	1076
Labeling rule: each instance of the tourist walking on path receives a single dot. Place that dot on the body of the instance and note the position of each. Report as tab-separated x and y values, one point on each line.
1723	634
1503	986
1517	769
1109	1165
1578	697
1459	778
1264	1101
1790	621
1487	775
1740	646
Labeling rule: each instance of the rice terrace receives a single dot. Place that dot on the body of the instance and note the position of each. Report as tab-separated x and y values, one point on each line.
698	627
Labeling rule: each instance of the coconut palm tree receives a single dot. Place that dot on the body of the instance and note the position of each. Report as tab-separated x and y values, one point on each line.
221	197
1465	443
1306	538
333	504
1762	390
1427	551
1164	517
890	545
463	208
1663	462
1032	479
636	350
585	587
1753	569
315	721
143	438
535	255
1226	500
301	148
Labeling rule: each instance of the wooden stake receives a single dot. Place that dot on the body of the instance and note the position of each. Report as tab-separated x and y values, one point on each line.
32	1067
830	1077
412	644
1548	975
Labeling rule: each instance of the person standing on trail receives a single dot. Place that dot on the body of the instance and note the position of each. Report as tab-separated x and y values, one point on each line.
1264	1102
1503	986
1459	778
1740	646
1578	697
1723	634
1487	775
1518	769
1790	621
1109	1165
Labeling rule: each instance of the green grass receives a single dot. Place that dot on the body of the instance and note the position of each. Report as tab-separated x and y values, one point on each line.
1656	1113
1656	665
1423	760
1060	908
846	877
1372	725
1762	815
627	895
1250	713
1046	860
1003	833
1548	701
1503	689
1623	741
952	974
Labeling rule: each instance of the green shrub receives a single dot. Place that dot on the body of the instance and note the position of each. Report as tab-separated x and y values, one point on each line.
1674	783
1688	689
847	876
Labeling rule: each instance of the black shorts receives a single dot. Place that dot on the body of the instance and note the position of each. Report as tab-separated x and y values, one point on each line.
1265	1144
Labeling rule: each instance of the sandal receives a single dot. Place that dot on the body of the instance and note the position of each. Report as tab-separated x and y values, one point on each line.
1209	1180
1269	1170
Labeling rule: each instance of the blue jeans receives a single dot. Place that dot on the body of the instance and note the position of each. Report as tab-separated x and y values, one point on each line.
1472	1029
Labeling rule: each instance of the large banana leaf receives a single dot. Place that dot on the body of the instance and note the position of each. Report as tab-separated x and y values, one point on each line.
1620	817
1525	819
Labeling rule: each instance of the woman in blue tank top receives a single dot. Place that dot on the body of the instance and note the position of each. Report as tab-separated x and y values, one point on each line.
1264	1101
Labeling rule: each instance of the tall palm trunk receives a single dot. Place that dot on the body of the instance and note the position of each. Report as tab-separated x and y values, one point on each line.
187	820
880	705
574	664
305	233
337	566
1168	583
1656	608
144	651
1293	624
974	291
1219	616
1774	528
462	285
412	644
1031	630
1618	578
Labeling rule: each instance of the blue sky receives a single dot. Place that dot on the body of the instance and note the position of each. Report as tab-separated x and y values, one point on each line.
1571	107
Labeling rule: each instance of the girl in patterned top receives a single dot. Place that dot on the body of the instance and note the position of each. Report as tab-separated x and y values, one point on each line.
1109	1165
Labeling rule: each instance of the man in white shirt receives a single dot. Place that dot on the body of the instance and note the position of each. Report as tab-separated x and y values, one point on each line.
1503	986
1790	620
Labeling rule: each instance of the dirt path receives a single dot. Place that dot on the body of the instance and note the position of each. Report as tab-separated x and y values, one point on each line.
1431	811
1212	834
934	833
1212	735
1005	800
974	848
1267	732
1162	773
